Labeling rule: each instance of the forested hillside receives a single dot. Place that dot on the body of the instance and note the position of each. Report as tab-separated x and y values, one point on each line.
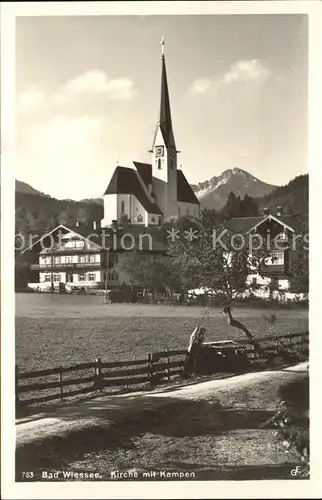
294	197
37	213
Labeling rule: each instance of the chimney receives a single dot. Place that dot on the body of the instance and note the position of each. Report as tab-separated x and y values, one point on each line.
266	211
94	225
77	223
279	212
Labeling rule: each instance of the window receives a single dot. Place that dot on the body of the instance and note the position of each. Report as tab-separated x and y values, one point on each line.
81	277
139	218
254	281
159	164
56	277
112	276
282	236
277	258
92	258
82	259
122	207
47	277
57	260
80	244
91	277
152	218
69	259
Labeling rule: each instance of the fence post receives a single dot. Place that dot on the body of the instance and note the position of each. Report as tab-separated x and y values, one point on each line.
290	341
98	374
60	375
167	361
17	387
150	367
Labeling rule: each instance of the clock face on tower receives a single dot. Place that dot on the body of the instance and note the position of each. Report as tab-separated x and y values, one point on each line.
159	151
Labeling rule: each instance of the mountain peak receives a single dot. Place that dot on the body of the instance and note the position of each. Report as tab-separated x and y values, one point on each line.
213	193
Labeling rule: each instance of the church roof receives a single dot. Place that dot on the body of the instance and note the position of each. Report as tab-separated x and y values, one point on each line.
145	172
165	120
125	181
165	110
184	190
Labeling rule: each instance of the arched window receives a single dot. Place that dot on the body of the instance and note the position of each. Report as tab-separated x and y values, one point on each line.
122	208
159	164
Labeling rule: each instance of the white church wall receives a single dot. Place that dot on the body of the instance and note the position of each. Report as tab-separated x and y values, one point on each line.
161	173
123	205
137	211
110	209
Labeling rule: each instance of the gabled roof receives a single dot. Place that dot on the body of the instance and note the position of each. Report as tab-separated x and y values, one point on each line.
184	190
145	172
125	181
297	223
125	239
80	232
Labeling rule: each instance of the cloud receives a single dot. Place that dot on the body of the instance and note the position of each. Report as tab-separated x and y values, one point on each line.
243	71
201	86
251	71
29	100
96	83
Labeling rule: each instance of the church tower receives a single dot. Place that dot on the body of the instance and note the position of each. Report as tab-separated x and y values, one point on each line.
164	153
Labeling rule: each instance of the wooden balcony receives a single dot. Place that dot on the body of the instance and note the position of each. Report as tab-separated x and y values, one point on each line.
66	265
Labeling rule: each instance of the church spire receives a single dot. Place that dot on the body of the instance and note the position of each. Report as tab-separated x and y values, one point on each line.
165	110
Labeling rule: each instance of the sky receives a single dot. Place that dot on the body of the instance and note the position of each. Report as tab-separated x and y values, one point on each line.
88	96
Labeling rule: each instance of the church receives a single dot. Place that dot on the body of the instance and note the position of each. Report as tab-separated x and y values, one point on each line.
149	194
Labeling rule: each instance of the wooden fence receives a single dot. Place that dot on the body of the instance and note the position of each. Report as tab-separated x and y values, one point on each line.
96	375
52	383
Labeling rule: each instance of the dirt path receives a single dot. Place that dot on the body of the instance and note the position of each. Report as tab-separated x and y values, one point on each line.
211	427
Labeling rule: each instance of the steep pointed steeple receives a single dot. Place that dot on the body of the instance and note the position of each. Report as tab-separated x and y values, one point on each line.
165	120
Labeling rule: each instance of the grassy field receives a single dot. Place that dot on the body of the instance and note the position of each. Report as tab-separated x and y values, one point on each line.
54	330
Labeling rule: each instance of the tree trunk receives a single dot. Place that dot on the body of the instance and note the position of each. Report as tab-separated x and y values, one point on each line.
237	324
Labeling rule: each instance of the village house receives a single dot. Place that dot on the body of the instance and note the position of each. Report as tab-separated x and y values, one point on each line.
288	241
89	257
